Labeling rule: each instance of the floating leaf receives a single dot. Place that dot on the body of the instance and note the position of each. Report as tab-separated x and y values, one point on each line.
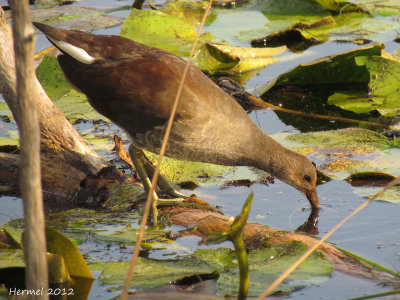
7	240
353	152
266	264
12	258
355	139
225	26
150	273
58	243
299	32
392	195
5	110
58	272
341	6
370	179
178	171
225	59
4	141
73	104
127	234
189	11
296	36
290	7
51	3
75	17
384	87
160	30
334	69
52	78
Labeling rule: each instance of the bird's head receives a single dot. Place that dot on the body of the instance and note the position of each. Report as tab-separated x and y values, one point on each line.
302	175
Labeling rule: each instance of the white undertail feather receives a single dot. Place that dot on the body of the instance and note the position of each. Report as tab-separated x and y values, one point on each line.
76	52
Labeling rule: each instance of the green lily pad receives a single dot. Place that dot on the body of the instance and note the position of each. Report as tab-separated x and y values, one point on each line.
348	152
358	27
370	179
265	265
57	243
106	227
290	7
97	143
5	141
120	234
334	69
341	6
358	140
296	36
150	273
12	258
4	109
58	272
160	30
367	66
225	26
52	78
188	11
396	54
392	195
7	240
384	86
178	171
75	17
73	104
355	26
14	229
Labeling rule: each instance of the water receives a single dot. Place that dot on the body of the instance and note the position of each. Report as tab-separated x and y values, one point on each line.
374	233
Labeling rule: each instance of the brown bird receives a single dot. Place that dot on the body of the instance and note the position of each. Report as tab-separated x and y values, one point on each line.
134	85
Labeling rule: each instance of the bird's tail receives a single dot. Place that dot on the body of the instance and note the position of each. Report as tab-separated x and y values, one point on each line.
71	42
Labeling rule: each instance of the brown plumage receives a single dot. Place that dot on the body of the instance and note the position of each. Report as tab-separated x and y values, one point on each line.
134	85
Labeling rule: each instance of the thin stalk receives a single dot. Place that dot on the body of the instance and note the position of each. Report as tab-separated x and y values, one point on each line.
29	131
394	292
149	199
323	239
258	102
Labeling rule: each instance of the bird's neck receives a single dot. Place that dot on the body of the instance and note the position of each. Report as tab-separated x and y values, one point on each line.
272	157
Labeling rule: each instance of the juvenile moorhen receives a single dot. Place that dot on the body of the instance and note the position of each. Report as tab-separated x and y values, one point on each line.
134	85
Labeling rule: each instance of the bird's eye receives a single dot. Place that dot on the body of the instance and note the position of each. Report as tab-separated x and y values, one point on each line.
307	178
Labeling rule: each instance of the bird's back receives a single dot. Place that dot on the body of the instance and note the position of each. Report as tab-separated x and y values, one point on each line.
134	85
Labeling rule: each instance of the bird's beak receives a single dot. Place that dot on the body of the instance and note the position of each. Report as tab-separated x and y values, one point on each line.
312	198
